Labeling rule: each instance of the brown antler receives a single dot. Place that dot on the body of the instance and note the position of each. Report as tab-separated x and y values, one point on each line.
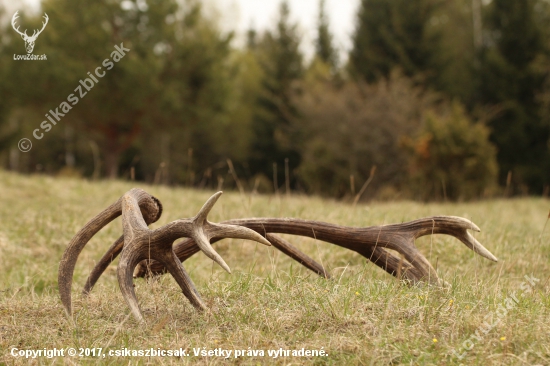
140	243
370	242
147	251
185	250
151	209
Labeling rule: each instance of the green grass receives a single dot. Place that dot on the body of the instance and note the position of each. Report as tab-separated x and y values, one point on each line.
361	316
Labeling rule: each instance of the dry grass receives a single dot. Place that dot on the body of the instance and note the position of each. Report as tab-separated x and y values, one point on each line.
362	316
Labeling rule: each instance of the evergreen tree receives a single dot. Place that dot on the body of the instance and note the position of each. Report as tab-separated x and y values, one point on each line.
510	79
390	34
324	44
251	38
282	65
167	95
458	25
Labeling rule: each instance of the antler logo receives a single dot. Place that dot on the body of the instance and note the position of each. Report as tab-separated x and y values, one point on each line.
29	40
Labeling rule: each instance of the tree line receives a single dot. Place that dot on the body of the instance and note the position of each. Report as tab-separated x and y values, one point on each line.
435	100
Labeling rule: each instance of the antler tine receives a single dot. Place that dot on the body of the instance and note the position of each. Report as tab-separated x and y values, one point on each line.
294	253
174	266
125	268
103	263
202	215
70	256
204	244
392	264
151	210
203	231
198	232
213	230
457	227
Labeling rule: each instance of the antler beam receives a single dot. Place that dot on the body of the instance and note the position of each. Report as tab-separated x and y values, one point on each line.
370	242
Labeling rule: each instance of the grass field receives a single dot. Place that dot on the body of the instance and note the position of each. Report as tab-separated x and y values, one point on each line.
362	316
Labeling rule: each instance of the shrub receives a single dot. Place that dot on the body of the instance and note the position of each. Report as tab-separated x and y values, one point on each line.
452	157
348	128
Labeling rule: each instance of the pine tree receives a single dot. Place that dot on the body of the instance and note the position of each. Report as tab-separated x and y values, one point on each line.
324	44
282	65
390	34
167	94
251	38
510	79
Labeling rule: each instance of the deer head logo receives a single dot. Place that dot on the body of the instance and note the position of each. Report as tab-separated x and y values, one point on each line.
29	40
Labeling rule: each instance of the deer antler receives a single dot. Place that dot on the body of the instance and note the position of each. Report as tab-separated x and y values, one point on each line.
140	243
151	211
370	242
185	250
147	252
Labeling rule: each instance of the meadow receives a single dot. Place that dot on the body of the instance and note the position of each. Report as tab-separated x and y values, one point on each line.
362	316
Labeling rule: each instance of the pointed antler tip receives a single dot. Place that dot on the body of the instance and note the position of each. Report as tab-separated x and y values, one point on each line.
264	241
222	264
477	247
492	257
475	227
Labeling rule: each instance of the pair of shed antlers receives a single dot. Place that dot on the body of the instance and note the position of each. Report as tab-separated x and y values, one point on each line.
146	252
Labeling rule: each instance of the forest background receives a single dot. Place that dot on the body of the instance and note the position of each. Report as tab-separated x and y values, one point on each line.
436	100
